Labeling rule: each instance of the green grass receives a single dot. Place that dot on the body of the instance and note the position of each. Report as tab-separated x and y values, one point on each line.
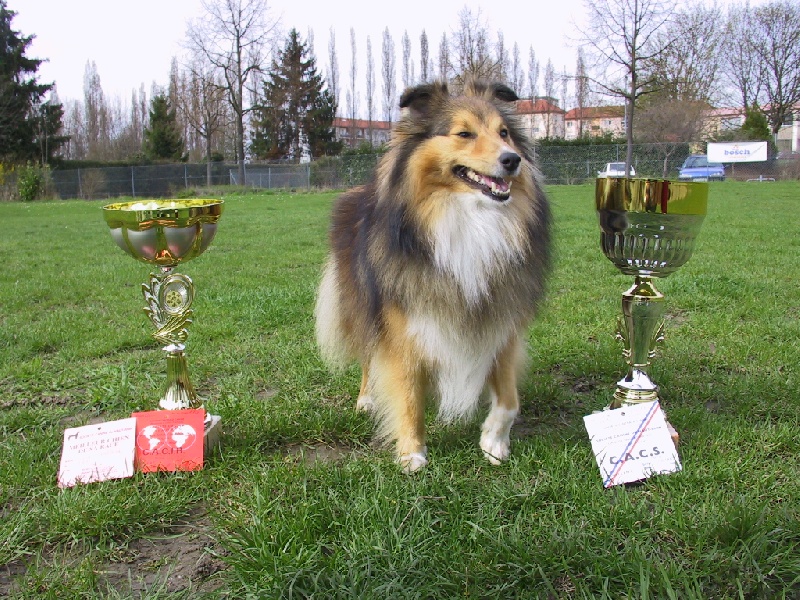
75	345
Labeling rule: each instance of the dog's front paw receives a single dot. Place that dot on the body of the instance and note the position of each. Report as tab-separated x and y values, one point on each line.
365	403
495	448
413	461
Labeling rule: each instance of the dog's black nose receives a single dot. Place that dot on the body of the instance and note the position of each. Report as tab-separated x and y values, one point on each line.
510	161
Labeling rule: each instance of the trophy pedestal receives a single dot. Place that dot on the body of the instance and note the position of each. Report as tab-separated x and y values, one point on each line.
212	434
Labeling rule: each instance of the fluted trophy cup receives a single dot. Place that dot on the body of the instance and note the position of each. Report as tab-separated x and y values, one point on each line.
648	230
165	234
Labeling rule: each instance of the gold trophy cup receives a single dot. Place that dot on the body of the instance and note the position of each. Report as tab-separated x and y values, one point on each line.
166	233
648	230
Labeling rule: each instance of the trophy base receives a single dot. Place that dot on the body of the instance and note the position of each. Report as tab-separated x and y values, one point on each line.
635	388
212	434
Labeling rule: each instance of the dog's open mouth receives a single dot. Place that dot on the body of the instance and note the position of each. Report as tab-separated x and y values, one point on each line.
494	187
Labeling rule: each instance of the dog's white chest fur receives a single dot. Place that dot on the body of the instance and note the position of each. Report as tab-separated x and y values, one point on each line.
475	238
459	362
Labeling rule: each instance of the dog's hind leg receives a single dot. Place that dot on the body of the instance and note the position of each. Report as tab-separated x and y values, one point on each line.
365	401
496	430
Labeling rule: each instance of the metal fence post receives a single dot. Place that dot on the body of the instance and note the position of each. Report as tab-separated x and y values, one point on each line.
133	183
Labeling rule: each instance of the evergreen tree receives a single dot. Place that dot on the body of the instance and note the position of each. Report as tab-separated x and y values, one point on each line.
29	129
295	115
162	139
756	125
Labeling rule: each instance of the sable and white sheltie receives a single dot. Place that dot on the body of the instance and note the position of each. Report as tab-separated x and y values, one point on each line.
437	266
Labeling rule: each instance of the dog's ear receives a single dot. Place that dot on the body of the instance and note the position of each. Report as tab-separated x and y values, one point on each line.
504	93
419	99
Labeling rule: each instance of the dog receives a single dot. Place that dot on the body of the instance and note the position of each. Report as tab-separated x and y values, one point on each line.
437	266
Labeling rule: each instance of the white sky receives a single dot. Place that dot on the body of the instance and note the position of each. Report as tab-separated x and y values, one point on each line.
133	43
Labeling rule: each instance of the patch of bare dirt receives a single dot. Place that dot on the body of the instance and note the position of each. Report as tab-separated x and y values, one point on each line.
311	454
185	558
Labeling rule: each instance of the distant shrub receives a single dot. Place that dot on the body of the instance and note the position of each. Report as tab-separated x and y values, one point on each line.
30	183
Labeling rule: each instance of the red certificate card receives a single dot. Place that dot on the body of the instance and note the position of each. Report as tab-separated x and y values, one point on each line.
169	440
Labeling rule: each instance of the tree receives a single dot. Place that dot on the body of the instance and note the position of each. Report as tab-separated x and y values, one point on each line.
470	49
549	92
406	45
29	129
370	89
669	124
96	114
234	37
162	138
333	68
352	93
388	75
515	77
502	58
621	37
755	126
776	43
425	67
533	75
688	67
581	89
740	64
444	58
204	108
296	114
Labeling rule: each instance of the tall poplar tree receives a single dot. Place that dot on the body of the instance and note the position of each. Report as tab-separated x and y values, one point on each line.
29	128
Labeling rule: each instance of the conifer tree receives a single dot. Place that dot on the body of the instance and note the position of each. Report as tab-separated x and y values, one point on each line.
295	115
29	129
162	138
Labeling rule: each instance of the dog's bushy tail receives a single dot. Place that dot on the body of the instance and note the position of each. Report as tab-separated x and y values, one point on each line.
331	339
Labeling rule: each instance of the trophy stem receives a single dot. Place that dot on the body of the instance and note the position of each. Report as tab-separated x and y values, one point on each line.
641	329
169	298
178	391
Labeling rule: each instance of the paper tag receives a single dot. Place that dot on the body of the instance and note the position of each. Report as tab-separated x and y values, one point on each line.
631	443
169	440
97	452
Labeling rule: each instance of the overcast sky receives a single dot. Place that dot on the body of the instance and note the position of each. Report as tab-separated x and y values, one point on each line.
133	43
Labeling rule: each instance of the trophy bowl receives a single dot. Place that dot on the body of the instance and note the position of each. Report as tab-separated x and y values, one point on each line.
648	229
166	233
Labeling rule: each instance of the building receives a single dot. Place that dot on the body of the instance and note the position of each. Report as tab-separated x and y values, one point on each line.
719	120
353	132
542	117
594	121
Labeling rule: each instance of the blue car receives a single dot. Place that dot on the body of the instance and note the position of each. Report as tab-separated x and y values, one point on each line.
697	168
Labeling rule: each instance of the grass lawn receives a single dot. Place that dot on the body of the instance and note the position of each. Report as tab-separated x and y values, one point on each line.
299	503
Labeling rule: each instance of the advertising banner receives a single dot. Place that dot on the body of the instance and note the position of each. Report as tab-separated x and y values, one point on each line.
731	152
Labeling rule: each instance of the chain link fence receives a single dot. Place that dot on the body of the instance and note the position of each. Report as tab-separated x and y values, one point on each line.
565	164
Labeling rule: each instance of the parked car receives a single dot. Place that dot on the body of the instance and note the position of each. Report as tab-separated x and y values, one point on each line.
697	168
615	169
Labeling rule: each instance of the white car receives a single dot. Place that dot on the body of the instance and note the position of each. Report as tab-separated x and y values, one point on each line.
615	169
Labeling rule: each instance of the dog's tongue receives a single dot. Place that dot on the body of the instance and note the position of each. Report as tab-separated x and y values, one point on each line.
497	185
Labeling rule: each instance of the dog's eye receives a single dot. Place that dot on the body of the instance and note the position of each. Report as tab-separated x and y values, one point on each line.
504	133
465	134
